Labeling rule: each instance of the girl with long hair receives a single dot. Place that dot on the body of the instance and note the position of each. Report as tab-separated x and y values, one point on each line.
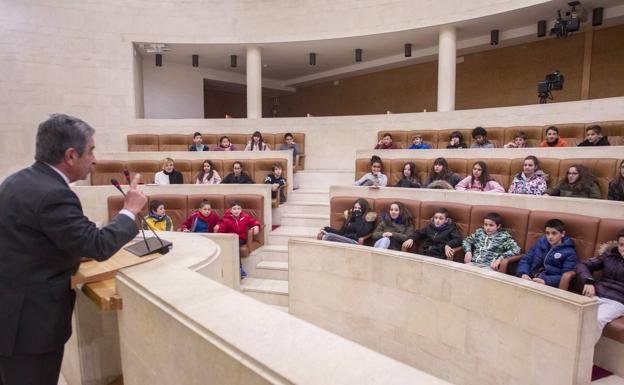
616	186
256	143
410	177
480	180
578	183
531	180
359	222
396	226
440	172
208	174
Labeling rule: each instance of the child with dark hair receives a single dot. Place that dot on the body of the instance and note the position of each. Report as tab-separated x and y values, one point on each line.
235	221
610	288
395	227
481	141
225	145
410	176
552	255
456	140
616	186
490	244
593	137
480	180
204	220
375	177
157	219
237	176
418	143
531	180
578	183
386	143
197	143
440	172
276	180
519	141
208	174
440	236
553	139
289	144
256	143
359	222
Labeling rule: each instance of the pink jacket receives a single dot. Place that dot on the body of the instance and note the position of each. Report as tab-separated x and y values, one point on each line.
466	185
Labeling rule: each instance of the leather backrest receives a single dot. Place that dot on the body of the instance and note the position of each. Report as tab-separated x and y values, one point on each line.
458	212
444	136
573	133
104	170
142	142
196	167
533	133
147	169
338	205
212	140
217	203
175	207
184	167
430	137
608	230
496	135
550	166
239	140
613	129
174	142
581	228
602	169
262	168
398	137
299	138
515	220
498	168
457	165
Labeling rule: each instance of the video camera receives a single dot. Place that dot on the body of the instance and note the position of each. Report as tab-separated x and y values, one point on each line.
551	82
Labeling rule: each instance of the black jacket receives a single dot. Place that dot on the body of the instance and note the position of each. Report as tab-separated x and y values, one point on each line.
357	227
616	191
233	179
436	239
611	285
604	141
43	236
407	183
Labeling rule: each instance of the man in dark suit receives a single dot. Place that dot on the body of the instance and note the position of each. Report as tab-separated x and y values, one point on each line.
43	236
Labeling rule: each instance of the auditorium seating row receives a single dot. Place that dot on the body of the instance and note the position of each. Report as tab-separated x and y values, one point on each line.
257	169
180	206
573	133
502	170
526	227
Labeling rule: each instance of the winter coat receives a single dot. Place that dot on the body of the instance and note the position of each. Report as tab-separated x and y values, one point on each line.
392	146
233	179
422	146
239	225
435	238
451	178
358	226
216	179
559	143
566	190
410	183
616	191
400	232
604	141
458	145
611	285
211	221
486	248
467	184
535	185
548	263
155	223
380	179
195	148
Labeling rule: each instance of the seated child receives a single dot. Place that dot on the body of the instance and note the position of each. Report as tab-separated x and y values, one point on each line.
418	143
386	143
395	227
157	219
375	177
225	145
168	175
456	140
235	221
480	180
204	220
553	139
481	141
593	137
289	144
616	186
410	176
359	222
197	143
519	141
491	243
441	236
551	256
237	176
257	143
275	179
610	288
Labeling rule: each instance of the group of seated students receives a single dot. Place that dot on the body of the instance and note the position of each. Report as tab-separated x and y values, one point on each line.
208	175
544	263
578	182
593	137
255	144
205	220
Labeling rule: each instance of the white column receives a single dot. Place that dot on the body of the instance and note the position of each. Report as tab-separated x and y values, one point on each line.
447	53
254	83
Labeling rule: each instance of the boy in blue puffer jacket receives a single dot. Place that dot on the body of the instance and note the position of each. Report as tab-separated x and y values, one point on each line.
551	256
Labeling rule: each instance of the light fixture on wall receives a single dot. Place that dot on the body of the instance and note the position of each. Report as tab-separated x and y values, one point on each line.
158	60
494	37
358	54
157	49
597	14
195	59
408	50
312	58
233	61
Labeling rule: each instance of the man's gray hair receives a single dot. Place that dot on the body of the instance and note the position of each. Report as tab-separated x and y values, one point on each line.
57	134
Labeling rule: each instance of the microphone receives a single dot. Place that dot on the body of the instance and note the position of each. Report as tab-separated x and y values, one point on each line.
148	245
126	175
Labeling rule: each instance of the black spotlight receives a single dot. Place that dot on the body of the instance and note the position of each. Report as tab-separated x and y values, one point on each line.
233	61
195	60
597	16
494	37
158	60
358	54
408	50
312	59
541	28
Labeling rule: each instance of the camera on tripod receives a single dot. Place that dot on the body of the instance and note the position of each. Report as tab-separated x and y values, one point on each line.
552	82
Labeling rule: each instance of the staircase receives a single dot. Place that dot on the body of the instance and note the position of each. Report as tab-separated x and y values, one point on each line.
306	211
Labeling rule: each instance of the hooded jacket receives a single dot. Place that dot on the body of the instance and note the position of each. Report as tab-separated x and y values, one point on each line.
438	237
211	221
565	189
467	184
400	231
357	227
548	263
239	225
534	185
487	248
611	285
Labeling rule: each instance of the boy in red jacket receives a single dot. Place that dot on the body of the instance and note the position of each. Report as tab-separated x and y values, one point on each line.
204	220
235	221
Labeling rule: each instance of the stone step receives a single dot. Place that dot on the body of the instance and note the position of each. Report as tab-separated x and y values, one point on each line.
308	220
309	195
277	253
281	235
305	208
277	270
269	291
282	308
323	178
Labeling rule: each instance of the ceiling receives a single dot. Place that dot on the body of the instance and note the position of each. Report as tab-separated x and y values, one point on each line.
335	58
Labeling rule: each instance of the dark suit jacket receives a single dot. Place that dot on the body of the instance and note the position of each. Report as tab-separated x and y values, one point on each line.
43	235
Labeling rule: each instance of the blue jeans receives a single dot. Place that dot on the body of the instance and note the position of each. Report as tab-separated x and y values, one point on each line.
382	243
331	237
